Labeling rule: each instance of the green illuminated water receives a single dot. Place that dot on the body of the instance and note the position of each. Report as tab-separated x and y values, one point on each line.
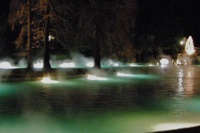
136	103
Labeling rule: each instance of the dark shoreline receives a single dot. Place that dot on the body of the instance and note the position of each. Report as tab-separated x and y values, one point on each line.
22	74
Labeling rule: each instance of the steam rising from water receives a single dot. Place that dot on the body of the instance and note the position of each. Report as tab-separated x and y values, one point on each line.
5	67
76	61
38	64
79	60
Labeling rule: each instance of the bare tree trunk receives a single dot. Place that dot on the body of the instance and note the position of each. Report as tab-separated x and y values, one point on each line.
97	51
46	57
29	52
98	41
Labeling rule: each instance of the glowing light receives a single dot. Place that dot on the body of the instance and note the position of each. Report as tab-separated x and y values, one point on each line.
116	64
113	63
164	61
163	66
133	64
48	80
138	76
150	65
90	64
51	37
67	65
124	74
178	62
38	65
92	77
189	47
6	65
180	80
140	65
182	42
173	126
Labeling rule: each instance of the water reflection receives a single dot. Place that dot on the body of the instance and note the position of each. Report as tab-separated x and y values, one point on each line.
180	80
185	90
179	97
186	79
108	105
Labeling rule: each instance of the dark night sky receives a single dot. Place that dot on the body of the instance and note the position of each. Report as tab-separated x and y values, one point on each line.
174	16
4	7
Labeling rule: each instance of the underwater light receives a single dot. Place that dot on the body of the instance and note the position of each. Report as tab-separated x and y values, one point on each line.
174	126
92	77
48	80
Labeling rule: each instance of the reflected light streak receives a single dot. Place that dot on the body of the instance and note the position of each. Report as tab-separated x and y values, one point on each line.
180	80
124	74
180	85
92	77
139	65
133	64
48	80
129	75
174	126
150	65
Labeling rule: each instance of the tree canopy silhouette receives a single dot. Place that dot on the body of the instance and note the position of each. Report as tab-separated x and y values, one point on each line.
85	26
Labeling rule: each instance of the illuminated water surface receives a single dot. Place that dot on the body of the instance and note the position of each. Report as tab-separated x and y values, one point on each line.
140	99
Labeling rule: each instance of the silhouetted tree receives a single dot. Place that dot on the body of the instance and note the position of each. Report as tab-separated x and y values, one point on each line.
46	37
20	12
29	53
43	18
91	25
109	25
